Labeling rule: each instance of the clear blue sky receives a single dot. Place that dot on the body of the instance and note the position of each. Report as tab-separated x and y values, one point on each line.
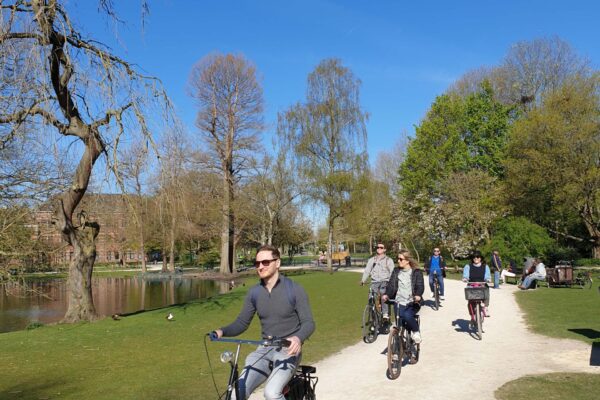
405	52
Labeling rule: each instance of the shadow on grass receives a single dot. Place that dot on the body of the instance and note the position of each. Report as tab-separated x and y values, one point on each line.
33	389
595	348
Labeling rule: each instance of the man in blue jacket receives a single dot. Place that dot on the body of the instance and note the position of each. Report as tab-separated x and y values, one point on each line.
435	264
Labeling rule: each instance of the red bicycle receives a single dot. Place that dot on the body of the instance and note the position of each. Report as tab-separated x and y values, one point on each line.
475	296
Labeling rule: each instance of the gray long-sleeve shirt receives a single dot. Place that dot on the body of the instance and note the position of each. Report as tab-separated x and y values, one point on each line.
380	270
278	318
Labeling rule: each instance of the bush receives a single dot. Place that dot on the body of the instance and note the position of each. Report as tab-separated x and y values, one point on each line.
587	262
516	238
34	325
557	254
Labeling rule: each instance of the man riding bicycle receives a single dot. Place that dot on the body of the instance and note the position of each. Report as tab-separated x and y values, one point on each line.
284	312
379	268
478	271
436	264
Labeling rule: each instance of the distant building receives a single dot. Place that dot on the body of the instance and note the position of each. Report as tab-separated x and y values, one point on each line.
110	211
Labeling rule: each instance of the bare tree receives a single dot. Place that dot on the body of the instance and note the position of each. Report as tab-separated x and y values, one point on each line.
230	103
61	84
329	138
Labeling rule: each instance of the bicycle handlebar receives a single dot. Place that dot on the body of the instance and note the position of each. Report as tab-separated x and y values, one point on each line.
269	342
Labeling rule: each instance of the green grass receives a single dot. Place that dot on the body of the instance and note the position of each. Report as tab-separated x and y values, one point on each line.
563	312
145	356
555	386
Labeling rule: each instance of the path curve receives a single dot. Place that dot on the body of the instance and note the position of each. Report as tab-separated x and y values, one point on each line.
451	359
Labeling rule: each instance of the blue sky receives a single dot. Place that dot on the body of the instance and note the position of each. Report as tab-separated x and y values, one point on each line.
405	52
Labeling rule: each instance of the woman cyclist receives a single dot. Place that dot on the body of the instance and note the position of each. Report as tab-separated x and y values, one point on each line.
478	271
406	287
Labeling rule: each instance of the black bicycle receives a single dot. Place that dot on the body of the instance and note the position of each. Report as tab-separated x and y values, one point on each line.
300	387
584	279
401	347
372	319
436	291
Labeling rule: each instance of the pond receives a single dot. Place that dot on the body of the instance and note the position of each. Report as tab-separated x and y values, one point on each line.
45	300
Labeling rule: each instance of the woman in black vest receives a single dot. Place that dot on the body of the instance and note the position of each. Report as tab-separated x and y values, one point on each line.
478	271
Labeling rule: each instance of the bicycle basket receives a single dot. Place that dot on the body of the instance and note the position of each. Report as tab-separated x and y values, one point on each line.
475	293
301	387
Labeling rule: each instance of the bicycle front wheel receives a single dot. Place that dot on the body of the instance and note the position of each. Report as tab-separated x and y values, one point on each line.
436	292
394	354
369	328
479	319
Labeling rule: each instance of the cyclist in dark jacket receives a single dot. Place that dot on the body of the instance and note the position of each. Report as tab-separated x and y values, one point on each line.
406	288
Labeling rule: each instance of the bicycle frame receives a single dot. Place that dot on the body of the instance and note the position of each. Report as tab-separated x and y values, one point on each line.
232	384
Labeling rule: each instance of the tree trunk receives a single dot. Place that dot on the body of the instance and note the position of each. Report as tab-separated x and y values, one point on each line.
172	244
79	283
225	209
330	246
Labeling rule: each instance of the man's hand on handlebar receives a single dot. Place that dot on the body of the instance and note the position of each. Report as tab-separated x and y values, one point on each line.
216	334
295	345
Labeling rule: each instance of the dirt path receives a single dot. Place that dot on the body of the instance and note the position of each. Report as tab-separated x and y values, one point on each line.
451	359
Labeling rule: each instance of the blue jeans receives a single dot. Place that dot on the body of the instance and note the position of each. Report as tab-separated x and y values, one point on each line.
530	278
257	371
407	313
440	280
496	279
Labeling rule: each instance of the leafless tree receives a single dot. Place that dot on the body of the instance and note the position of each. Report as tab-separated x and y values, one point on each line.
60	84
230	102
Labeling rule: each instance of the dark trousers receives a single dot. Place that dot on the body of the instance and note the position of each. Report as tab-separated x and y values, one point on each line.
407	313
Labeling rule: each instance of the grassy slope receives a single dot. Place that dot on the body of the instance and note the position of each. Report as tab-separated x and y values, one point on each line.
145	356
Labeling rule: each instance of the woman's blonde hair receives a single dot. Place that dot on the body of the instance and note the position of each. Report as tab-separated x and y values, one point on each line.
409	257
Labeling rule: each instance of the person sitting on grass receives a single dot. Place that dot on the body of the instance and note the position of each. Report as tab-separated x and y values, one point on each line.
539	274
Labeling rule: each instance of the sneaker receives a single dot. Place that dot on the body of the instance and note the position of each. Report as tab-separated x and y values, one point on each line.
486	312
442	298
416	337
432	295
386	317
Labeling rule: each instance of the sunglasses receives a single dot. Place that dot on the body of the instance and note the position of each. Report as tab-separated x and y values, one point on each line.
265	263
401	259
380	247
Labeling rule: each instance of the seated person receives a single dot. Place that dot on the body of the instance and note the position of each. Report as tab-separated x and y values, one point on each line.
538	274
510	271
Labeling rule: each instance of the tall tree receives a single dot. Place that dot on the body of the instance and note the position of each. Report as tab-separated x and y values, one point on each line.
329	137
554	164
67	86
230	102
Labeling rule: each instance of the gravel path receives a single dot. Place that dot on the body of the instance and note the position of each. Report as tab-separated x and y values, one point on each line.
451	358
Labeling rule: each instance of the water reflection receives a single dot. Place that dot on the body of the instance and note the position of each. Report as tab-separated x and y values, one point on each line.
46	300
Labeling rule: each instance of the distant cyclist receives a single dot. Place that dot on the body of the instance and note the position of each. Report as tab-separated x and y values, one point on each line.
436	264
379	268
406	288
478	271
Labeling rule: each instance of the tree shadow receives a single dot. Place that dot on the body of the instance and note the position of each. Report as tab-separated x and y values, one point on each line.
32	389
588	333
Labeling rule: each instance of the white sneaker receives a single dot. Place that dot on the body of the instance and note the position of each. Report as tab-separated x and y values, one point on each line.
442	298
432	295
416	337
386	316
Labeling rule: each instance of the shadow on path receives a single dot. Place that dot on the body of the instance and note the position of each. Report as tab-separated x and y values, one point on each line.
595	347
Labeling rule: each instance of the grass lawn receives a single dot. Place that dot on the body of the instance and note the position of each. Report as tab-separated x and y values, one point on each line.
144	356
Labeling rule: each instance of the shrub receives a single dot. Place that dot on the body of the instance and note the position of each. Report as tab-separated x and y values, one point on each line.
516	238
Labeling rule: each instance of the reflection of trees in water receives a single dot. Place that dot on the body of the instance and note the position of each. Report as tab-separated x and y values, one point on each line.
45	300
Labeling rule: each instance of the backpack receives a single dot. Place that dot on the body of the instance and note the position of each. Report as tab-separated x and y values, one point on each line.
289	289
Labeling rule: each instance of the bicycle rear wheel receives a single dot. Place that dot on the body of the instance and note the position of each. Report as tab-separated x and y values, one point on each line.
479	319
369	325
395	352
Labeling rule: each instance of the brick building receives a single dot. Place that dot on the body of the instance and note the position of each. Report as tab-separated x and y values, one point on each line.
111	211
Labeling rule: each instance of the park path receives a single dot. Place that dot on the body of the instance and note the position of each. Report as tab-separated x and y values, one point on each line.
451	359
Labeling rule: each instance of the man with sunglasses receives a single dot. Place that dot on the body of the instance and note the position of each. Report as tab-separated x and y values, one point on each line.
379	268
284	312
